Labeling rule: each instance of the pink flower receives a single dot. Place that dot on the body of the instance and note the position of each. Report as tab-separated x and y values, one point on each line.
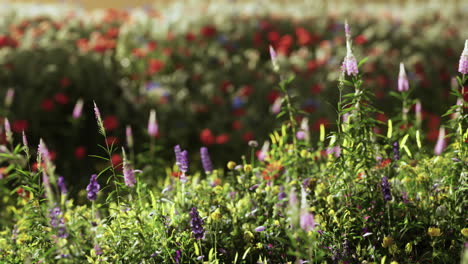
441	143
403	85
153	124
463	66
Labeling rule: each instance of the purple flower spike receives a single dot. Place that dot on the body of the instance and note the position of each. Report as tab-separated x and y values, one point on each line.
347	30
403	84
177	151
128	172
307	222
386	189
183	161
61	185
78	109
206	161
441	143
93	188
463	66
350	66
153	128
396	151
274	59
196	223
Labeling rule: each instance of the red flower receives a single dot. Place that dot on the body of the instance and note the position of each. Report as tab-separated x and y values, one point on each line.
248	136
47	105
65	82
155	66
303	36
19	126
273	37
113	32
110	123
272	96
116	161
272	171
190	36
316	89
246	90
208	31
152	45
82	44
207	137
222	139
61	98
80	152
381	117
360	39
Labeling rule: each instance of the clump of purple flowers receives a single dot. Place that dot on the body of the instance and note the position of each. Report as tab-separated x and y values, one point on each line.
183	161
196	223
386	189
61	185
206	161
57	222
463	66
93	188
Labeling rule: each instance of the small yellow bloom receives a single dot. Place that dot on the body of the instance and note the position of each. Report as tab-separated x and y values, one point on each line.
387	241
434	232
304	153
393	262
216	215
247	168
231	165
464	232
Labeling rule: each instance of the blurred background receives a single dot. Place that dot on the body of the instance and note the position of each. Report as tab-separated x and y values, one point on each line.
205	67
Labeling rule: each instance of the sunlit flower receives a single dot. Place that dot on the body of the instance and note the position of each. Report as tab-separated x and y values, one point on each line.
434	232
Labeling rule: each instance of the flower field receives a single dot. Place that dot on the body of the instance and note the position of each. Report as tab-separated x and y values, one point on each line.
152	136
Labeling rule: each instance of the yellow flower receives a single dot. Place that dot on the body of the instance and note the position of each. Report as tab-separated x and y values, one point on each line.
434	232
387	241
247	168
231	165
216	215
393	262
464	232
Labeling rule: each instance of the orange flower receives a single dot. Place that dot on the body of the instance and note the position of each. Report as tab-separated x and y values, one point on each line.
272	170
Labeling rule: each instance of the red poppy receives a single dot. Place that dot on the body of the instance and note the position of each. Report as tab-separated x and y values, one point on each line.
110	122
273	37
222	139
47	105
19	126
190	36
207	137
61	98
113	32
80	152
155	66
303	36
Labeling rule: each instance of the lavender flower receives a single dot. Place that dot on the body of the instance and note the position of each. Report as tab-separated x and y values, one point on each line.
300	135
196	223
78	109
25	141
43	152
128	172
129	136
441	143
347	30
396	151
61	185
350	66
57	222
9	96
8	133
260	229
463	66
386	189
97	113
403	84
206	161
183	161
93	188
306	221
177	151
152	124
274	59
